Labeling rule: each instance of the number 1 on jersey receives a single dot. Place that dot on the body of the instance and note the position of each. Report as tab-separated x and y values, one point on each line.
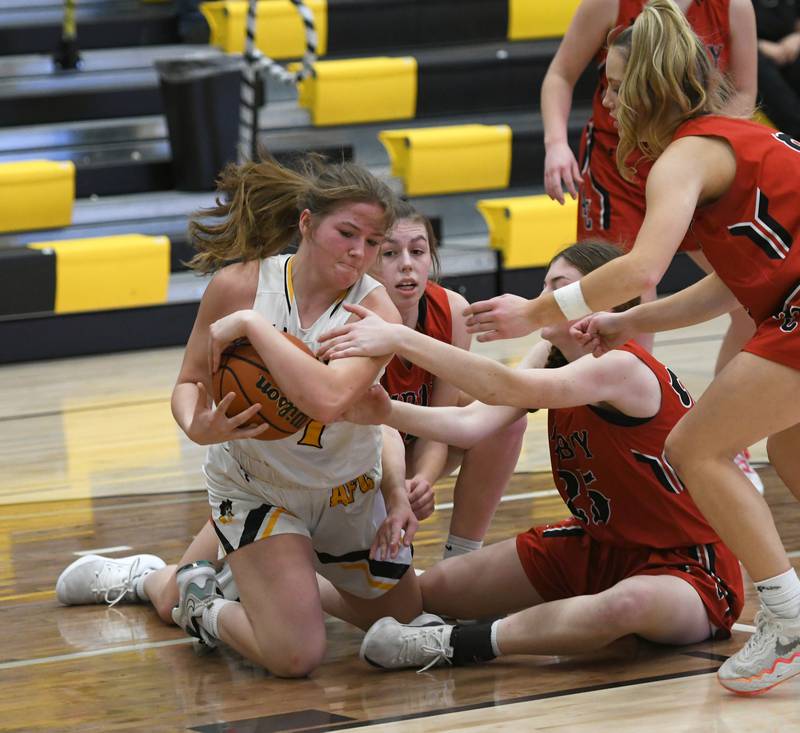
312	435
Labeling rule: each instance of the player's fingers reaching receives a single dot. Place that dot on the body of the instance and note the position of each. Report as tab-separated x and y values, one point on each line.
371	336
225	403
333	347
476	308
334	334
506	316
244	433
483	320
358	310
244	416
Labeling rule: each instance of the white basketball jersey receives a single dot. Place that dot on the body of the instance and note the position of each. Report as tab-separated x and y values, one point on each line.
319	456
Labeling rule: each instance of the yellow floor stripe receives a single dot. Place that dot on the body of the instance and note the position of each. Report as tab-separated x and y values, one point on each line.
38	595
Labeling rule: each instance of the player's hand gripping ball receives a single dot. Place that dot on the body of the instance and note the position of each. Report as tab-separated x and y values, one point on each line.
242	372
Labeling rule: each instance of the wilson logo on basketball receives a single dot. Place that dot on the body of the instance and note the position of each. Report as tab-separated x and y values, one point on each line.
243	372
284	407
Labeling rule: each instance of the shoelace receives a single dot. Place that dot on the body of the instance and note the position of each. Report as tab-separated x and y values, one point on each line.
122	587
757	640
428	641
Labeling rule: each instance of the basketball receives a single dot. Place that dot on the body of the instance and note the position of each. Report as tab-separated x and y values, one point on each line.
242	371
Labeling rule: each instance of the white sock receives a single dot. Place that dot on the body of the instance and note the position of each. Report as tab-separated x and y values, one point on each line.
456	545
781	594
493	638
138	586
210	618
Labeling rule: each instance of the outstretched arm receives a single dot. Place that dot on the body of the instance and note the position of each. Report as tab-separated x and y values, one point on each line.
704	166
462	427
581	382
706	299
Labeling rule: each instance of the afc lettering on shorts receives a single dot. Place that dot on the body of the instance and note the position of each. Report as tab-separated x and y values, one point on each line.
345	493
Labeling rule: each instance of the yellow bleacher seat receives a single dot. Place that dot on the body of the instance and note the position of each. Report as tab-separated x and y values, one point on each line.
449	159
280	33
529	230
360	90
36	194
535	19
103	273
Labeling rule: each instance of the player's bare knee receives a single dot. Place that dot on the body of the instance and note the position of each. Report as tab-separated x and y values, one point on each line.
299	662
621	608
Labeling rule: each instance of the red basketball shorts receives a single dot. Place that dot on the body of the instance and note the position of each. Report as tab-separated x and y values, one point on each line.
562	561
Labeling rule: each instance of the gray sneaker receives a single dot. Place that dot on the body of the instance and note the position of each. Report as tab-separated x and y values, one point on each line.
227	583
770	656
197	589
424	643
98	579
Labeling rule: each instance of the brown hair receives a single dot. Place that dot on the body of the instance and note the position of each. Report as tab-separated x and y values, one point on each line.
258	207
406	211
586	256
669	78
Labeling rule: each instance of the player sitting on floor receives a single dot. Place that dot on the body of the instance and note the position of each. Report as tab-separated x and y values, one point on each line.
637	557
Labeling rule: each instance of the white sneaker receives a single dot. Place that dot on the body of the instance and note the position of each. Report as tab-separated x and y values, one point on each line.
425	643
742	460
197	589
770	656
98	579
426	619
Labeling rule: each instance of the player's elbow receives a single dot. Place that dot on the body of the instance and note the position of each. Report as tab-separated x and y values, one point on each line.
642	276
326	402
323	408
648	281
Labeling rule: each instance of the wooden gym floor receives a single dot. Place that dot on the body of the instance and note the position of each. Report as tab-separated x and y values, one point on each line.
93	462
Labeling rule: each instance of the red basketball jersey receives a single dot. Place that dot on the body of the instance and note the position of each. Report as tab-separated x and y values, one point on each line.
747	234
408	382
611	472
611	207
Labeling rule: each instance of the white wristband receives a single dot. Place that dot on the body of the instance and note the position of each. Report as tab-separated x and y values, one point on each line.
570	300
